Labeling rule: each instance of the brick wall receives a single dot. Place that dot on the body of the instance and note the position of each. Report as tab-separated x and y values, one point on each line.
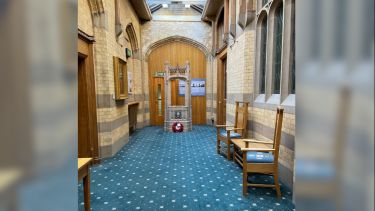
113	116
113	121
154	31
84	17
261	120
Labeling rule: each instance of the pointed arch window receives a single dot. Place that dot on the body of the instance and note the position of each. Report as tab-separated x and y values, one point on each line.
132	37
220	31
278	40
264	2
263	53
275	58
293	56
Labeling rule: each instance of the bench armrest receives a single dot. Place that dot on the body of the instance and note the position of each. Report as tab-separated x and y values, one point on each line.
256	141
231	129
220	126
258	149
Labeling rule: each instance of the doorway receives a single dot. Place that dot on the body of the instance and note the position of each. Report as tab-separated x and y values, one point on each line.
177	53
157	112
221	88
87	120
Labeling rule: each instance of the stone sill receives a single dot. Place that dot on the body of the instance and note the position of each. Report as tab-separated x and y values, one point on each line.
274	101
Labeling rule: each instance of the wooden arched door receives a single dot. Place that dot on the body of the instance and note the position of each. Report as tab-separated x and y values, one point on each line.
177	53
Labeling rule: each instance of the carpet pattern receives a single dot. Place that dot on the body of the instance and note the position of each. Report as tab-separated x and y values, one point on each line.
159	170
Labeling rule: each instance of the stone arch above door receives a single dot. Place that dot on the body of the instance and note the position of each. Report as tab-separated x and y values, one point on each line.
176	52
182	39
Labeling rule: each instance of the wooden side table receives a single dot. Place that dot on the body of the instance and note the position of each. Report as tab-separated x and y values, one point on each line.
84	173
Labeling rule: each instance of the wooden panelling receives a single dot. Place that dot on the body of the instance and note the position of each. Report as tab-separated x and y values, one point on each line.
177	53
221	87
87	120
83	47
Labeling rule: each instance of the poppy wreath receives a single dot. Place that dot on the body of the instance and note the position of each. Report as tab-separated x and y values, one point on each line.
177	127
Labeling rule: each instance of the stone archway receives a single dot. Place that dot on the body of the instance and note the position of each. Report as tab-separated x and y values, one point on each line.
206	68
176	38
97	13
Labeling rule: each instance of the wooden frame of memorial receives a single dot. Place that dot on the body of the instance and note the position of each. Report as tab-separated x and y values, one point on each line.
177	113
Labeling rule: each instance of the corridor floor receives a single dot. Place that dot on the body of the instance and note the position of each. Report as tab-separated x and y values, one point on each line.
157	170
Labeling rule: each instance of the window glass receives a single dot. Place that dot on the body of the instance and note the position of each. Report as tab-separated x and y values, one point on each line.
293	57
160	100
278	49
264	2
220	31
263	47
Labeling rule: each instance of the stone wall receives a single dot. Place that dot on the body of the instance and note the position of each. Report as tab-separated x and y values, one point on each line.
84	17
113	121
154	31
261	120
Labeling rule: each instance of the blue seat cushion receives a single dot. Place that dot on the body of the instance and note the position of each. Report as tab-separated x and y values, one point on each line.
232	134
259	157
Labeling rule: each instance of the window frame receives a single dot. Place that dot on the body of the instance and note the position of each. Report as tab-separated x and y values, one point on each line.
263	53
220	31
286	97
262	21
278	47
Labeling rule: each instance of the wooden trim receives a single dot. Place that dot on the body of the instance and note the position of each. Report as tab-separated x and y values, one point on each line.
85	37
222	49
222	52
261	185
264	168
83	48
116	65
85	51
220	89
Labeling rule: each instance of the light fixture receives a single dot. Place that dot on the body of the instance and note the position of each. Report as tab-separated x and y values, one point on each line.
165	5
187	5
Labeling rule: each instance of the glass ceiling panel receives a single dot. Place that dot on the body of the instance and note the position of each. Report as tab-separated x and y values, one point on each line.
179	1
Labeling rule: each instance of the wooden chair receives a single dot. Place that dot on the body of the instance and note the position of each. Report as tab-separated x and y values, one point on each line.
263	160
225	133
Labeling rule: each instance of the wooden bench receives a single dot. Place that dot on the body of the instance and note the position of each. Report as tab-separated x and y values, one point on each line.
84	174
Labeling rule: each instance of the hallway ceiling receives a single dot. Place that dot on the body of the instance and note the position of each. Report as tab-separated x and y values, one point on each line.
177	10
179	1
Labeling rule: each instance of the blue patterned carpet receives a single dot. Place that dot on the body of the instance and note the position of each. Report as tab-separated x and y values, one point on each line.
158	170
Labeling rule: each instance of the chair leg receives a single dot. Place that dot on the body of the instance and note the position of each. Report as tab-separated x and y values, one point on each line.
277	185
244	177
218	140
228	151
218	146
244	184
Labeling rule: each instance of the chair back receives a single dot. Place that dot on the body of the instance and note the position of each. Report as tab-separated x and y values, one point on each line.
278	130
241	117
